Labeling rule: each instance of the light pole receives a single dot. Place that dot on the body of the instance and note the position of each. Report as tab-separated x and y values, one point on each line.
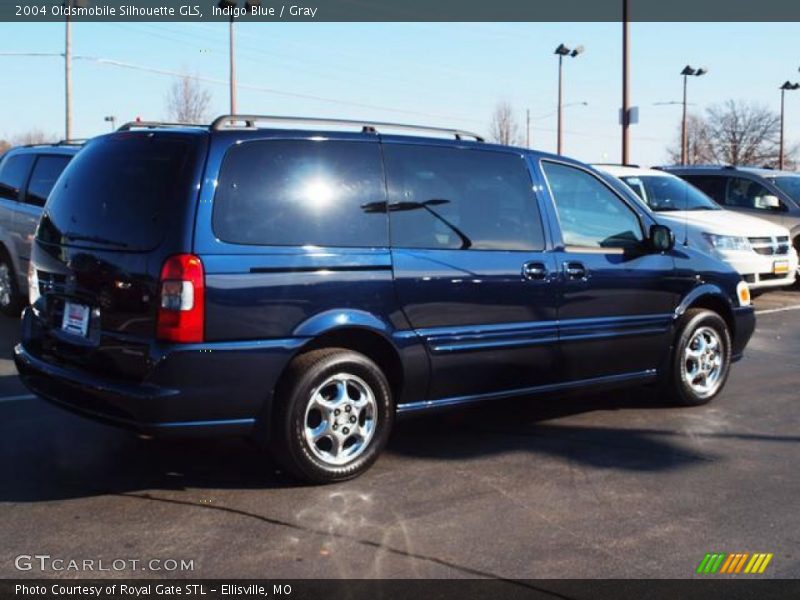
563	51
111	119
528	118
625	82
687	72
787	86
68	4
231	5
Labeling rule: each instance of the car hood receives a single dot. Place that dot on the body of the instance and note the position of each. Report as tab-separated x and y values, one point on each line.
721	222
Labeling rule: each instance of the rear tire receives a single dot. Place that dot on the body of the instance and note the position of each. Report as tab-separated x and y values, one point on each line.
333	415
10	298
701	360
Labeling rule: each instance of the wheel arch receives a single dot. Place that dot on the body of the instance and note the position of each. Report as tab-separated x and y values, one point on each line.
711	298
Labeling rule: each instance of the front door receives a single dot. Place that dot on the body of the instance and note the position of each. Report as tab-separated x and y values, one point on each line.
617	297
472	272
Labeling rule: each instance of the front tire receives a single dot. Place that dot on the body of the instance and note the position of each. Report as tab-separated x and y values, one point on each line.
333	416
10	299
702	358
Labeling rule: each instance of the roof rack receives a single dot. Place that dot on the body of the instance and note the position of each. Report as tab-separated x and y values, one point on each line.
613	164
251	121
156	125
72	142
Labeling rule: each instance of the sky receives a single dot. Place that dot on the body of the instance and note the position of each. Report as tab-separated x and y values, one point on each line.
442	74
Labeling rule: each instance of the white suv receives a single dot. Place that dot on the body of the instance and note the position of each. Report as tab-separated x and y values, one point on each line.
761	251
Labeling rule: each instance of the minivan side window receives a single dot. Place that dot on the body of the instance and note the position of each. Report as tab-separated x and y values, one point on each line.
460	199
13	173
746	193
45	173
590	214
301	192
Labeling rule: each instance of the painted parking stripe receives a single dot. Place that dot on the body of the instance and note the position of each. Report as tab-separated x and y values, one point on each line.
767	311
16	398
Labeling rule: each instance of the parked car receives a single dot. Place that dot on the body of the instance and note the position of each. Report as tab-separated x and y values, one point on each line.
27	174
307	286
765	193
759	250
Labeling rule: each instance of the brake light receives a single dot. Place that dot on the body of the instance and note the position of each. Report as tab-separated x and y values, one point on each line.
181	311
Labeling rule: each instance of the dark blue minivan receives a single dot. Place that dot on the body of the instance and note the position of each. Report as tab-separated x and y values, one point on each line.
306	281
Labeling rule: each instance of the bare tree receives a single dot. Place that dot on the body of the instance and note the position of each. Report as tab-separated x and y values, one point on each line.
187	101
735	133
504	128
4	146
698	144
34	136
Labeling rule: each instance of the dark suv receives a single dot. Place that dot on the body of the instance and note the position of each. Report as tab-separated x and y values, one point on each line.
307	286
27	174
766	193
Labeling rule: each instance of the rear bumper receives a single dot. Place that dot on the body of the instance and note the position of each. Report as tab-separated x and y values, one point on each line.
208	389
126	406
744	326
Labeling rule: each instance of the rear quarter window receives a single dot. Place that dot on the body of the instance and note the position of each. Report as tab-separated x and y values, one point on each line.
121	191
301	192
14	171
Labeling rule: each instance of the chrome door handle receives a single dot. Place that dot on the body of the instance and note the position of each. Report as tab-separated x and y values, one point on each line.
534	271
575	270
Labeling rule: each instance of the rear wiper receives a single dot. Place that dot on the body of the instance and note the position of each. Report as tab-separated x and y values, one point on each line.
94	238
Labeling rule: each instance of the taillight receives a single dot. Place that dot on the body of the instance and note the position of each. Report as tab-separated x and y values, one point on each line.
181	310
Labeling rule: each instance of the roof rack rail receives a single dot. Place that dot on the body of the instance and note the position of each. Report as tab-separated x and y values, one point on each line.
619	164
156	125
250	122
72	142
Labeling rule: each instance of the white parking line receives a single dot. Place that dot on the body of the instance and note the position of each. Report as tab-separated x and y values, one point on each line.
768	311
17	398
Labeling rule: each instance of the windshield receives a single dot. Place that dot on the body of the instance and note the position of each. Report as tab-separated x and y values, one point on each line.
789	184
664	193
120	191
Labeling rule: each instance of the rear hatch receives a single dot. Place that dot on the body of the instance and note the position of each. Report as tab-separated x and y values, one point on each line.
124	204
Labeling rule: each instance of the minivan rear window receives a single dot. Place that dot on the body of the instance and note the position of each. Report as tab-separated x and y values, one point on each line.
120	192
302	192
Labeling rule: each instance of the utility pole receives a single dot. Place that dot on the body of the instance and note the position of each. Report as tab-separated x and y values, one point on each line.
68	77
625	82
233	67
528	128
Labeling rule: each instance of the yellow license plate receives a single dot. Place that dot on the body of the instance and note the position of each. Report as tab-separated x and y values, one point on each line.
780	267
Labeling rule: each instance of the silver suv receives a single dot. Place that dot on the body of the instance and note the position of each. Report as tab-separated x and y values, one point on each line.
766	193
27	174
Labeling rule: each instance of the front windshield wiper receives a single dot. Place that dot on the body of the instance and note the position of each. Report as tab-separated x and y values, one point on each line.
703	208
372	207
76	237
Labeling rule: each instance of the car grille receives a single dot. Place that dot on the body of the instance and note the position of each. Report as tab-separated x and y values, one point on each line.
770	246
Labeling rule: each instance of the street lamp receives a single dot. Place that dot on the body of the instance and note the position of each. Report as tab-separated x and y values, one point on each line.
68	65
563	51
787	86
231	5
111	119
687	72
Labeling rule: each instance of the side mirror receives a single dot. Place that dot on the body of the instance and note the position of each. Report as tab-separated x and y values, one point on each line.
768	202
661	238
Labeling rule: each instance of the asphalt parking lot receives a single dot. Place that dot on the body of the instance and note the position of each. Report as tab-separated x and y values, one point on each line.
609	486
